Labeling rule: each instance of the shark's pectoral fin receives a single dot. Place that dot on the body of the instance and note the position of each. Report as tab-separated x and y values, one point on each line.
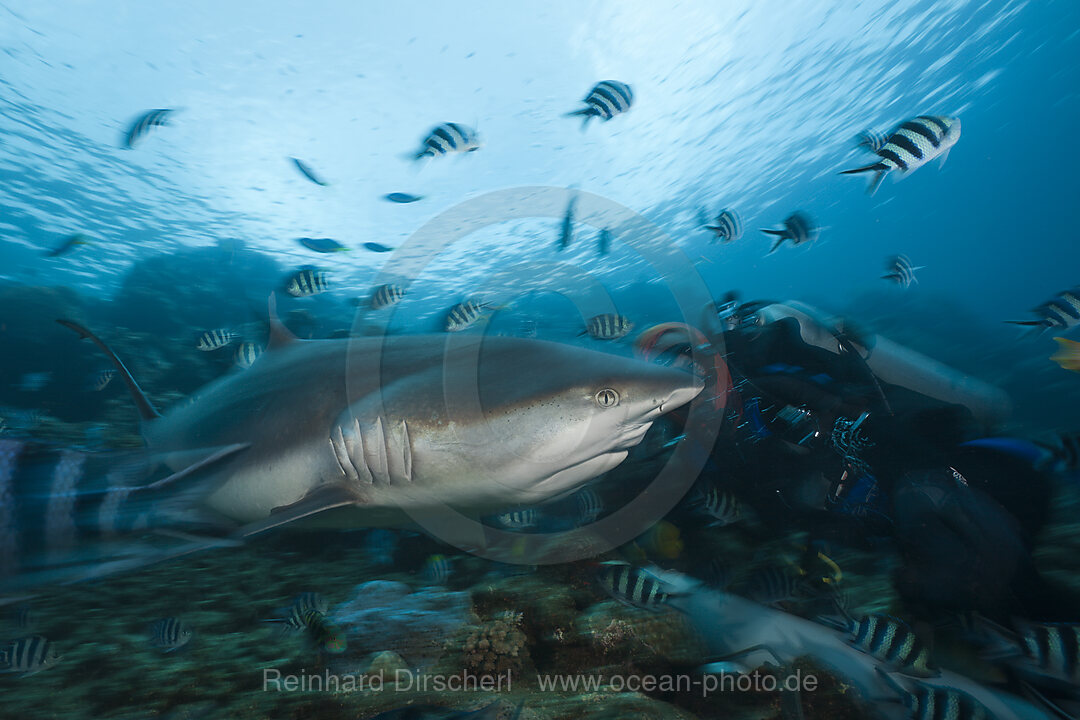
192	464
318	500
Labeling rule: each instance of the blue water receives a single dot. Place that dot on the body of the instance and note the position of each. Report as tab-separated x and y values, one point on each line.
751	105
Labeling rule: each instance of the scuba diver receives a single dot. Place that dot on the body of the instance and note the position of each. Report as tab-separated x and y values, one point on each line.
865	443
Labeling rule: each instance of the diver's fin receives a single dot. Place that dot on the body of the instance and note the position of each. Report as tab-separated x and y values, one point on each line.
318	500
280	336
142	403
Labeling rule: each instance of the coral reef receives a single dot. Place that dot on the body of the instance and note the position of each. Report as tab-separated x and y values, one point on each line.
497	647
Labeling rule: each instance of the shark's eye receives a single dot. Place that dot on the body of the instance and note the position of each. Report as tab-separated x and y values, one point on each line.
607	398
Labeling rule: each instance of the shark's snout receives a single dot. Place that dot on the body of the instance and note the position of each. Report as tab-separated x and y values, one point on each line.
682	395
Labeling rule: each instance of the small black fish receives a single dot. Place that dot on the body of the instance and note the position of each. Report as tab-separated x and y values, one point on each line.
70	243
403	198
307	172
566	234
142	124
377	247
322	245
603	244
798	228
606	100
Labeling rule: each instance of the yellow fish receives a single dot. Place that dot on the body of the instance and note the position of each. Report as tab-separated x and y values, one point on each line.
1068	354
662	540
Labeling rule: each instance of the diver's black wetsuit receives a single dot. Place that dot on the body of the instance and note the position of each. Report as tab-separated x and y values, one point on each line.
963	520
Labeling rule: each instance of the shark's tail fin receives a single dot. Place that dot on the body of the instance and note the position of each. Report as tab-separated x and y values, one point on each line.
67	515
142	403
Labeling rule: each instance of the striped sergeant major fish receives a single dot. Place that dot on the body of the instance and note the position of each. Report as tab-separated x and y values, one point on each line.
608	326
436	570
1061	312
722	506
385	296
295	616
727	227
28	655
798	227
246	354
901	271
606	100
872	140
449	138
632	585
464	315
312	621
1051	649
912	145
590	506
100	380
169	634
307	282
519	519
892	642
936	702
214	339
144	123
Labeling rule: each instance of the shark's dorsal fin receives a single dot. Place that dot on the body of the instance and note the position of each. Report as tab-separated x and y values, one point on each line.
280	336
142	403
